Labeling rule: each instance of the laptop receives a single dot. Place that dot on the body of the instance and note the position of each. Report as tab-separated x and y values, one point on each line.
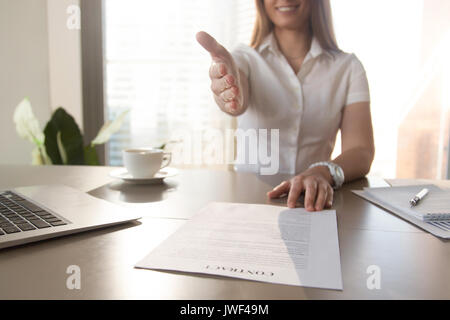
29	214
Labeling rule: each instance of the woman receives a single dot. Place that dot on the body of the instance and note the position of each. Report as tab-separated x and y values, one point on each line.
294	78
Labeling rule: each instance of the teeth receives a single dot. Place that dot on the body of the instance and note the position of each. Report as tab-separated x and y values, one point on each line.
286	9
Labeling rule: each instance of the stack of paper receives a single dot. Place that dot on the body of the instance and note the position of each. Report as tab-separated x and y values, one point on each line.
255	242
443	184
431	214
434	207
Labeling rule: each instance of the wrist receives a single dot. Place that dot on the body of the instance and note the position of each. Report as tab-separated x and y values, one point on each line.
324	172
334	170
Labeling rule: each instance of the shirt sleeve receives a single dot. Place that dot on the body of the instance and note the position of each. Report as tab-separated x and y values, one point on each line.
358	89
240	57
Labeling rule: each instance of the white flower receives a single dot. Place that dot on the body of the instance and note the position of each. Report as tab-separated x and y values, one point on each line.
27	125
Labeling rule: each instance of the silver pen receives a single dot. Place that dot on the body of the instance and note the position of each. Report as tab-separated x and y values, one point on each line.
418	197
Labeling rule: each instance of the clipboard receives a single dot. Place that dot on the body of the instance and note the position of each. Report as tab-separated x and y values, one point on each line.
440	229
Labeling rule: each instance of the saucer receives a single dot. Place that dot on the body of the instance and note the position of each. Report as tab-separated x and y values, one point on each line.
123	174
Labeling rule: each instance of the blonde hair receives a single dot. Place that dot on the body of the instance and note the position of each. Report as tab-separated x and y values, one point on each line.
321	25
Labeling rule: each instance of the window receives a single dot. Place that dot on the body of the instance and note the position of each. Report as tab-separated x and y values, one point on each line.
404	46
155	67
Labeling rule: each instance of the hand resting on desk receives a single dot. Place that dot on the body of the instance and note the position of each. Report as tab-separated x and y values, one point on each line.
315	182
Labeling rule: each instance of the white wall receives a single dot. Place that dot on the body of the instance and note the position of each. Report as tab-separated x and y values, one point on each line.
23	71
64	60
39	59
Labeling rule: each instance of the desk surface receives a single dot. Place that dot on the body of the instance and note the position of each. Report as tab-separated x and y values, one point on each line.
413	263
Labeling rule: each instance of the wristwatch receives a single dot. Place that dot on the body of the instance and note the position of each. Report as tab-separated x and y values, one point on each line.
336	172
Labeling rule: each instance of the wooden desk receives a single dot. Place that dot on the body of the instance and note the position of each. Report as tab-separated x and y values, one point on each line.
414	264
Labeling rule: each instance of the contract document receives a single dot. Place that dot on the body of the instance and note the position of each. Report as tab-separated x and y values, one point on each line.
255	242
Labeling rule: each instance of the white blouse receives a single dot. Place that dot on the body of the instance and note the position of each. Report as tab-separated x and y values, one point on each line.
306	107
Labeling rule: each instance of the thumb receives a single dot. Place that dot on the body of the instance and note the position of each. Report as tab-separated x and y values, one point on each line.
217	51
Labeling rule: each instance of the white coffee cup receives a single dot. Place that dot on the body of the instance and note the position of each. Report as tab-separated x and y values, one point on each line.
145	162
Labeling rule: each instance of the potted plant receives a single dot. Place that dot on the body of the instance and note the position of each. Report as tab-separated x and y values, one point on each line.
61	142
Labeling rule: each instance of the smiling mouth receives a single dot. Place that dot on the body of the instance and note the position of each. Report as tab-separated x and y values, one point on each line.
288	8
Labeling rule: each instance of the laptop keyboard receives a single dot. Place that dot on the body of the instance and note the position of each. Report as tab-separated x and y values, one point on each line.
20	215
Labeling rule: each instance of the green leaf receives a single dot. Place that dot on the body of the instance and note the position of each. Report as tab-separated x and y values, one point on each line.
90	156
71	140
109	128
27	126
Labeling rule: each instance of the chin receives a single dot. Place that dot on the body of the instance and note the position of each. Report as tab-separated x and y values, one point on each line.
293	24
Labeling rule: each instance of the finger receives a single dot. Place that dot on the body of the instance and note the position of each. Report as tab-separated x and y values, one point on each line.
310	194
330	194
218	70
322	193
212	46
279	190
220	85
295	192
231	106
229	94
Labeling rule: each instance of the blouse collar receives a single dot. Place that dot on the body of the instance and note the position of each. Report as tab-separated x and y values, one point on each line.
270	43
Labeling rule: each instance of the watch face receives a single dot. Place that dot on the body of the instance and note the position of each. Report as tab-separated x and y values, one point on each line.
339	172
338	175
336	171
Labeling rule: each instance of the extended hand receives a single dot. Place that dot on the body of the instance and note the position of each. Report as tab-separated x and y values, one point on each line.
224	75
316	184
